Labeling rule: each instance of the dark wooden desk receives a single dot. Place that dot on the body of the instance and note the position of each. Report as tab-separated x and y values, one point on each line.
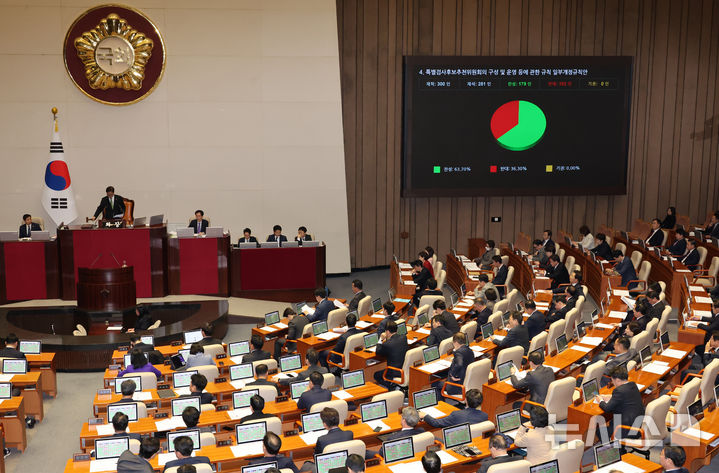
28	270
198	265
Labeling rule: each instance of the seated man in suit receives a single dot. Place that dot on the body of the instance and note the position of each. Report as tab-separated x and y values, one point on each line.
276	235
713	227
483	285
517	335
257	353
625	400
679	247
257	403
111	206
625	268
448	319
420	276
538	251
314	394
473	414
390	314
709	325
672	458
538	440
547	238
656	305
271	444
602	248
558	311
394	348
207	339
183	452
463	356
430	290
575	280
358	296
438	332
354	463
302	235
199	225
261	371
312	358
198	383
191	417
28	227
537	380
11	347
480	312
247	237
323	308
623	353
545	263
656	235
691	259
557	272
485	261
295	327
339	347
408	420
535	322
500	274
127	390
136	342
331	421
572	298
498	449
119	424
431	463
131	463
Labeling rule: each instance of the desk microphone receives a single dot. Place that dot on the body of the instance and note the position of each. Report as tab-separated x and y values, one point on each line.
113	257
98	257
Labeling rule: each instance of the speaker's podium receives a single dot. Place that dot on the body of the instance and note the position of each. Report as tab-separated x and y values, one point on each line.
106	289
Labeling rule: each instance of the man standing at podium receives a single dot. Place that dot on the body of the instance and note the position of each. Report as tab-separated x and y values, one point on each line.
28	227
199	224
111	206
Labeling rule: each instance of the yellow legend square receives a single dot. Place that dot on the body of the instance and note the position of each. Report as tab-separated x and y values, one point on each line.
548	168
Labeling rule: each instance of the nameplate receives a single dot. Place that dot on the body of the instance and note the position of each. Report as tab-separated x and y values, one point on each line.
306	335
104	392
123	348
418	363
95	421
578	402
492	380
176	343
163	386
221	356
290	433
358	349
351	421
272	371
433	448
113	367
221	408
161	415
220	380
372	462
81	457
224	443
282	399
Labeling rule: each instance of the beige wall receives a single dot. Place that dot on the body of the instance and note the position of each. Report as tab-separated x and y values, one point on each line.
246	123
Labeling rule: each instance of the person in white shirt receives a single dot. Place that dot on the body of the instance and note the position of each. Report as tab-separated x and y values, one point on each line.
587	240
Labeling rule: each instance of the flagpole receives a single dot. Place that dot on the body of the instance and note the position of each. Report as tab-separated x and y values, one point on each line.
54	116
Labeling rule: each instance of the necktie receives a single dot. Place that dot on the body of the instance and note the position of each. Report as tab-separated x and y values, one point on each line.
28	230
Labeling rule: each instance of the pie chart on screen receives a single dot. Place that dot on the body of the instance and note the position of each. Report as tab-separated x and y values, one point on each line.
518	125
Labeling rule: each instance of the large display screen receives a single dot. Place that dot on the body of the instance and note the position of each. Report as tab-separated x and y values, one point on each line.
515	125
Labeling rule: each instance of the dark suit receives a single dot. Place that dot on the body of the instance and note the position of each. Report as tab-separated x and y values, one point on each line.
516	336
295	327
306	238
401	434
200	226
247	240
535	324
272	237
708	328
437	334
209	341
8	352
186	461
482	317
449	321
549	242
109	211
463	356
382	326
486	463
282	462
205	398
626	269
558	274
471	416
23	233
256	355
536	382
143	347
322	310
255	416
421	278
264	382
132	436
603	250
556	314
691	260
334	435
304	374
340	345
655	311
655	238
394	349
354	303
626	401
679	247
500	278
312	397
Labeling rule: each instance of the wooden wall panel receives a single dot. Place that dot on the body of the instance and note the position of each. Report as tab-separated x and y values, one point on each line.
674	131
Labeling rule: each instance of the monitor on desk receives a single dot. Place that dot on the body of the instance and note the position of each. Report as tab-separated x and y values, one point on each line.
326	462
291	244
136	379
241	371
312	422
139	222
590	389
311	243
402	329
269	244
214	232
185	232
148	340
242	398
8	236
504	370
258	467
127	408
665	340
376	305
373	410
298	387
272	317
239	348
157	219
370	340
397	450
14	366
509	421
30	347
247	245
194	435
181	403
430	353
319	327
250	432
453	298
561	343
182	379
456	435
352	379
463	289
192	336
505	319
487	331
5	390
290	362
695	409
552	466
298	306
645	356
581	329
426	398
111	447
607	454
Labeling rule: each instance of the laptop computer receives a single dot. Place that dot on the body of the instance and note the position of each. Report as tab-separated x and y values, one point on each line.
581	330
247	245
214	232
8	236
192	336
373	410
665	340
185	232
136	379
370	341
402	329
298	387
457	438
251	433
139	222
607	454
352	379
5	390
326	462
291	244
157	219
258	467
645	356
425	400
272	318
453	298
241	371
177	361
487	331
430	354
127	408
40	236
423	318
290	362
319	327
398	450
239	348
311	422
590	390
194	435
376	305
552	466
111	447
182	379
181	403
696	409
561	343
30	347
14	366
241	399
269	244
310	243
508	422
504	371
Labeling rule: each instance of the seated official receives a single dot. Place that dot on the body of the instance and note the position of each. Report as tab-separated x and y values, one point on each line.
295	327
691	259
438	331
408	420
390	314
11	347
127	390
271	444
656	235
500	274
639	315
549	251
257	403
463	356
537	439
276	235
198	357
302	235
492	296
323	308
207	339
26	229
572	297
448	319
257	353
191	417
357	297
183	451
557	272
625	268
145	320
131	463
247	237
535	322
420	276
587	241
315	393
138	364
136	342
261	371
312	358
331	421
633	329
625	400
517	335
199	224
498	450
672	458
679	247
354	463
657	306
538	253
480	312
537	381
431	290
111	206
325	356
473	414
547	238
671	219
558	310
394	348
483	285
485	261
431	463
711	326
119	424
426	262
623	354
198	383
710	352
713	228
575	281
602	248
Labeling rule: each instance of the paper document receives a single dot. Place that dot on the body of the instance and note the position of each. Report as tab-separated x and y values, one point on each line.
702	313
328	336
672	353
237	359
615	314
498	338
683	271
406	273
520	375
703	300
105	429
629	301
361	324
403	301
621	292
445	457
342	394
180	391
606	326
423	330
580	348
310	438
108	464
433	411
554	368
377	316
114	328
280	325
240	383
433	367
620	466
373	424
409	283
338	304
237	414
691	323
697	288
4	378
411	467
164	425
307	309
245	449
142	396
286	375
472	266
267	328
698	433
593	341
655	368
405	266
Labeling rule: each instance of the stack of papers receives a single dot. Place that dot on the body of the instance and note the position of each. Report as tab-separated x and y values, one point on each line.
307	309
236	359
171	423
108	464
672	353
697	288
621	292
426	331
114	327
580	348
286	375
472	266
437	365
377	316
702	313
411	467
683	271
698	433
245	449
655	367
703	299
498	338
607	326
620	466
409	283
406	273
432	411
338	304
310	438
4	378
179	391
445	457
267	328
361	324
240	383
593	341
628	301
328	336
280	325
105	430
237	414
405	266
554	368
342	394
615	314
143	395
692	323
373	424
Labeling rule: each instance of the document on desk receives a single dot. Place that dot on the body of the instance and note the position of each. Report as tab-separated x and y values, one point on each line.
621	292
472	266
433	367
342	394
445	457
697	289
4	378
423	330
174	422
237	359
703	299
373	424
406	273
236	414
108	464
116	328
307	309
682	271
310	438
432	411
280	325
245	449
239	383
377	316
692	323
606	326
655	368
554	368
267	328
338	304
185	391
409	283
624	467
105	429
498	338
616	314
361	324
693	432
629	301
142	396
702	313
405	266
328	336
411	467
593	341
672	353
580	348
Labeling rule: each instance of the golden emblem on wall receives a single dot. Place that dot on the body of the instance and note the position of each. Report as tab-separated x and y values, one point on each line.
114	54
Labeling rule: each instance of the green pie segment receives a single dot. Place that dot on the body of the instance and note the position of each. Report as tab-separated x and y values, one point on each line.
518	125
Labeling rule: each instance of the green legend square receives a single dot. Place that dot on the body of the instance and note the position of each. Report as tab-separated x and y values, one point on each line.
437	169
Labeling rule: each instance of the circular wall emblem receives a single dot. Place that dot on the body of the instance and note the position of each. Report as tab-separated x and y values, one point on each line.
114	54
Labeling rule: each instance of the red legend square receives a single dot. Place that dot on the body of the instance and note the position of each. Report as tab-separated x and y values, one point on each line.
492	168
